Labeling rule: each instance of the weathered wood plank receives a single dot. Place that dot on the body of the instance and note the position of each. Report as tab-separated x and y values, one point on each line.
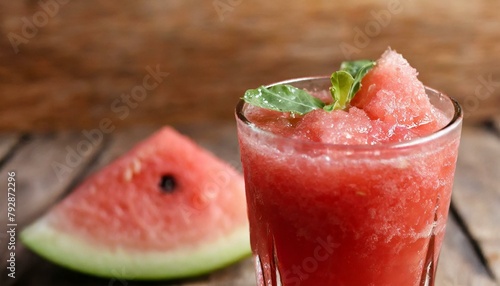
459	265
477	191
241	274
45	166
492	251
496	123
7	141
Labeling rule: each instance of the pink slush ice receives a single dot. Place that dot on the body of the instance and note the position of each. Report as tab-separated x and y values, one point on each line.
391	106
325	215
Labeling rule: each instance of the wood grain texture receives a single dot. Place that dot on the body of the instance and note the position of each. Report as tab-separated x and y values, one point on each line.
88	54
477	191
7	142
37	184
496	123
459	264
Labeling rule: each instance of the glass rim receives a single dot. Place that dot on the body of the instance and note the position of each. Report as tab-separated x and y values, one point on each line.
455	121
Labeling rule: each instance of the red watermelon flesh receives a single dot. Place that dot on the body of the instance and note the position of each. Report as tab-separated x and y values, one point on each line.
392	93
165	197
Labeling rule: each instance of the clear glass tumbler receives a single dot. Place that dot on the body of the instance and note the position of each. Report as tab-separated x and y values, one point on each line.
344	215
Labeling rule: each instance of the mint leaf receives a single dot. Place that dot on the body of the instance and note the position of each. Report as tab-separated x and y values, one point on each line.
358	70
341	85
346	82
284	98
354	67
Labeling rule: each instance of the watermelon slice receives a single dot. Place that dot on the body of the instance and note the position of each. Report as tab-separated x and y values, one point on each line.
166	209
392	93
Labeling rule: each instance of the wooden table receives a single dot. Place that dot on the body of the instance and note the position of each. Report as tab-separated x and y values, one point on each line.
470	255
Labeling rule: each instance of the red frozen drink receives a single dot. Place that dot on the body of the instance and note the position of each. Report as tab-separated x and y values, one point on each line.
350	196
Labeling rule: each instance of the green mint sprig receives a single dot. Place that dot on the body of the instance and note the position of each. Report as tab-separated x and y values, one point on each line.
285	98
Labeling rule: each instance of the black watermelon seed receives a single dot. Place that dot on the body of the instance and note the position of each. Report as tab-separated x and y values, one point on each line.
168	183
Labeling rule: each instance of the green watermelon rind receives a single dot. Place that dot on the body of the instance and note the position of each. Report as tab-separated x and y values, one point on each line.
72	252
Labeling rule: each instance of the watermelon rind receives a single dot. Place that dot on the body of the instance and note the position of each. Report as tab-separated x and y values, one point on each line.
73	252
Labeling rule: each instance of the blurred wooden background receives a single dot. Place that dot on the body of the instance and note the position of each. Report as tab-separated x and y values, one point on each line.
70	64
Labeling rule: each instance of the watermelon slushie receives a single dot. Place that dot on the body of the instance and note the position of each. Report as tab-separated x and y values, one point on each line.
352	197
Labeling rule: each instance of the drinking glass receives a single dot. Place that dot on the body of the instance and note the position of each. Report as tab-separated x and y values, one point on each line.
342	215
